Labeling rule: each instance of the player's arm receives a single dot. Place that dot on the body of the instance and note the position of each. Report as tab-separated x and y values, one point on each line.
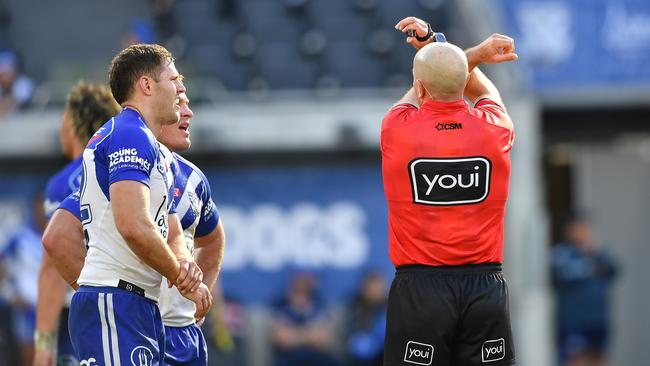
130	202
64	243
200	295
209	254
176	242
51	295
61	263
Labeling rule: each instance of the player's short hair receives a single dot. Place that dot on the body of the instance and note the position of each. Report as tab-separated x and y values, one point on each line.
132	63
89	106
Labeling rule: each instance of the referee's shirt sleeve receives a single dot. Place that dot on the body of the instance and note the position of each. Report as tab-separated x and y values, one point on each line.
494	113
399	115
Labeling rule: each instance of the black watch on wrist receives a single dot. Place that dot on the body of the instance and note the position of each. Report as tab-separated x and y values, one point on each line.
437	37
427	36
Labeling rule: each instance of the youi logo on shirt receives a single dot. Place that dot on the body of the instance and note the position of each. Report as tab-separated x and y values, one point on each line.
418	353
446	182
493	350
127	156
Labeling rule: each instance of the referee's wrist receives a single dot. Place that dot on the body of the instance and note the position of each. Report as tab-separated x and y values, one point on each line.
43	340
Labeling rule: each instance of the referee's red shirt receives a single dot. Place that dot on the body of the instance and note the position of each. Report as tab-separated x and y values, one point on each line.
446	171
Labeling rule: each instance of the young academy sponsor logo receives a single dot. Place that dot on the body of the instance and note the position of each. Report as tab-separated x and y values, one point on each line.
127	157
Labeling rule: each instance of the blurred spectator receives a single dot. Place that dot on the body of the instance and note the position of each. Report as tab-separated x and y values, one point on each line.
365	343
582	274
163	16
224	331
21	257
140	31
301	332
16	90
227	8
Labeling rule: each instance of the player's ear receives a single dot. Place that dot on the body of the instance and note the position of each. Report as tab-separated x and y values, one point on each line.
145	84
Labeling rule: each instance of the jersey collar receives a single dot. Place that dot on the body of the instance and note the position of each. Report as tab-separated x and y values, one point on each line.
445	106
133	113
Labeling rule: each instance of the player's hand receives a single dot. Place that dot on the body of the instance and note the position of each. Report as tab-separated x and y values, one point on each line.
495	49
419	26
43	357
190	276
202	298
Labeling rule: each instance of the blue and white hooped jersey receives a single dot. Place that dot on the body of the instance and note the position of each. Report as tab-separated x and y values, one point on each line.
122	149
199	217
66	181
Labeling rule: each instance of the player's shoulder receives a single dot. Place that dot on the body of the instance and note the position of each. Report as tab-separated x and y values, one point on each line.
129	125
101	134
71	204
64	180
187	167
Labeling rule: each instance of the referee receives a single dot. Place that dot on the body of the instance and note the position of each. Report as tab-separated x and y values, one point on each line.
446	171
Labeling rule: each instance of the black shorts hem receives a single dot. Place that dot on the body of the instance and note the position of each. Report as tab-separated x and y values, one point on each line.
503	363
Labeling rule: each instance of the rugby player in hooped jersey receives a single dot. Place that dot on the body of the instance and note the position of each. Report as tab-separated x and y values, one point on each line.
129	219
204	234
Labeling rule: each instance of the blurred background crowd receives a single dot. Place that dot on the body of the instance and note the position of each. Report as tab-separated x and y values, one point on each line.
288	97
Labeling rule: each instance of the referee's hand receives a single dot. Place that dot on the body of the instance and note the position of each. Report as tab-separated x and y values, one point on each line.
189	278
418	25
495	49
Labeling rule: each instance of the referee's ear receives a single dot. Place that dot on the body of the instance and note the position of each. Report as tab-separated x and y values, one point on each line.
420	90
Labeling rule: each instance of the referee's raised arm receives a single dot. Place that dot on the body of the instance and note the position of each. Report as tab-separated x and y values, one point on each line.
495	49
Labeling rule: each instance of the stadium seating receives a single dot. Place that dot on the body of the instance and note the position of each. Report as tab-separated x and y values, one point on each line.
300	44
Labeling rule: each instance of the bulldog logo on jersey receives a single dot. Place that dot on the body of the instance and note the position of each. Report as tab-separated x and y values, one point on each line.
141	356
446	182
195	204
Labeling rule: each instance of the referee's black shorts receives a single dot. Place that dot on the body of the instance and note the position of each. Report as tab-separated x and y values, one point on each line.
448	316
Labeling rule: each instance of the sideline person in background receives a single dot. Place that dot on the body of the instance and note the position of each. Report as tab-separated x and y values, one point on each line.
87	108
582	276
16	90
301	331
20	256
367	323
446	171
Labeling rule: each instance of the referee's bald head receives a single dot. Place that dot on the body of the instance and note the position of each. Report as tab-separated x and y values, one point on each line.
442	70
